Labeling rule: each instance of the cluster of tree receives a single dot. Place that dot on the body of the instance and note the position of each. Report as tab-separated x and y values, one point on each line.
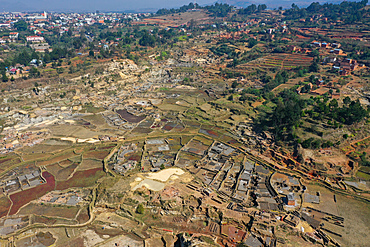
286	115
348	11
24	57
182	9
316	143
224	49
351	111
110	35
281	77
147	40
217	10
230	74
57	54
363	161
252	9
21	25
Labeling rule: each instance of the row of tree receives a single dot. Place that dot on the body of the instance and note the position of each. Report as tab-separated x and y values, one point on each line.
348	11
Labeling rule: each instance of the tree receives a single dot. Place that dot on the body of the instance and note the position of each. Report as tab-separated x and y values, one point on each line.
91	53
252	42
347	100
5	78
21	25
147	40
34	73
140	209
315	53
314	67
261	7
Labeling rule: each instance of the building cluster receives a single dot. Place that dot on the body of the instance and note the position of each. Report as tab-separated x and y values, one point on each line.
123	161
44	22
69	198
41	24
21	179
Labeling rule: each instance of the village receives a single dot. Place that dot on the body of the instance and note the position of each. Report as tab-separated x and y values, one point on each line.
183	129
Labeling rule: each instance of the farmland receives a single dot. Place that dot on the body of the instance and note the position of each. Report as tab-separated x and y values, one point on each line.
81	179
5	204
280	61
22	198
49	211
217	125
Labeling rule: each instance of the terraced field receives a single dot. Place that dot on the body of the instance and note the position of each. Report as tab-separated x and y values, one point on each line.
280	61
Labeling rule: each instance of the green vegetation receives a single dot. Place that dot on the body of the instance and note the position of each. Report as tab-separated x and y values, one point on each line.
140	209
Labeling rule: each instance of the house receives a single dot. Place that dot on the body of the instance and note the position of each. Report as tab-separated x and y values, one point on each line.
43	47
13	71
235	234
4	25
337	51
253	241
336	45
319	82
344	72
13	35
35	39
293	48
291	220
35	62
291	199
316	44
330	60
325	45
2	41
305	50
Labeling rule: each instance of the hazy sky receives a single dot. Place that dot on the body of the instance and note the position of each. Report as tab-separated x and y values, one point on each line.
90	5
121	5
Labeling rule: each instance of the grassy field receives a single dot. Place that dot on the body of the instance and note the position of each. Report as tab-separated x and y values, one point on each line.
83	216
49	210
172	107
74	131
62	172
56	158
5	204
88	164
96	154
363	175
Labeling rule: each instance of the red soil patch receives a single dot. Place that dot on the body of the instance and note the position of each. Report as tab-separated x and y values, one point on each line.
85	178
22	198
107	147
4	160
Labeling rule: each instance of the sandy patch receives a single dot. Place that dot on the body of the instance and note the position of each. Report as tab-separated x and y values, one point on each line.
150	184
71	139
91	238
165	174
123	240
